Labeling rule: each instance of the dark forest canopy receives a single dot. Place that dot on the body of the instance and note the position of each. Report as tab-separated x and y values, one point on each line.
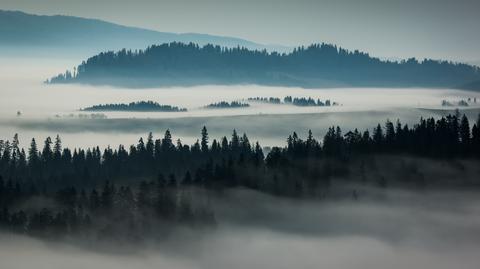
50	165
142	106
157	182
318	65
225	104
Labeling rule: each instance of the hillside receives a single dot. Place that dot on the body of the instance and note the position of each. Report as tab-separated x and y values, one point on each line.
319	65
471	86
66	34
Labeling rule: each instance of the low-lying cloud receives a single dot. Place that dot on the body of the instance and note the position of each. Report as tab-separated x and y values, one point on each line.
388	229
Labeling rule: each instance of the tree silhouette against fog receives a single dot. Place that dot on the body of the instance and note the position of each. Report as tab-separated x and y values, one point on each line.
158	182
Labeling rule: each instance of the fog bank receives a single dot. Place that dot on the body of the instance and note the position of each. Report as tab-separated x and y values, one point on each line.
437	230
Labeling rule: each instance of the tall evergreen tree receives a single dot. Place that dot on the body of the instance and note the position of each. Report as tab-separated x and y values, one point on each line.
378	136
47	150
465	131
57	148
259	156
33	152
235	142
167	141
150	146
15	149
204	140
389	133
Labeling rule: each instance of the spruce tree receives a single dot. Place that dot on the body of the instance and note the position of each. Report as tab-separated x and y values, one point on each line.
204	140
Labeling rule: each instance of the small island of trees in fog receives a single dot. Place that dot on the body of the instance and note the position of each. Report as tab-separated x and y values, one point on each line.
296	101
460	103
224	104
318	65
141	192
142	106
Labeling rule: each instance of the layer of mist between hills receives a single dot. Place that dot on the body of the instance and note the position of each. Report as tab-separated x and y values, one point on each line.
271	123
268	130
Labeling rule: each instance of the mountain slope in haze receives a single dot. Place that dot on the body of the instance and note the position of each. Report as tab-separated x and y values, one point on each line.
319	65
57	34
472	86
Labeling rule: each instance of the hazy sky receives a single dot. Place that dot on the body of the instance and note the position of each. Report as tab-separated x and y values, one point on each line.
390	28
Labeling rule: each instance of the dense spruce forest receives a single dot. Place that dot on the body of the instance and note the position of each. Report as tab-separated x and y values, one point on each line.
318	65
142	106
140	191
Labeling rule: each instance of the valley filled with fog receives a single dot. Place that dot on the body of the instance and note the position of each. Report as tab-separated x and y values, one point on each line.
239	135
47	110
375	228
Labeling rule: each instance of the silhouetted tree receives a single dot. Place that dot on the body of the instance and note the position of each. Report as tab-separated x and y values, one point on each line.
204	143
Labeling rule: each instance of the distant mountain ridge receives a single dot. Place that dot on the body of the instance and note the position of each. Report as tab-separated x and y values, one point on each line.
59	33
319	65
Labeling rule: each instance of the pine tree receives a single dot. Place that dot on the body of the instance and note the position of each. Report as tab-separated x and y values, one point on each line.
378	137
476	137
310	139
57	148
141	146
465	131
259	156
204	140
7	152
245	144
389	133
22	160
235	142
47	150
15	150
167	141
150	146
2	145
225	145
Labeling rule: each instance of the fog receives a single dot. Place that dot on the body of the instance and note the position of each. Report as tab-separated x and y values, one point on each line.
48	110
268	129
396	229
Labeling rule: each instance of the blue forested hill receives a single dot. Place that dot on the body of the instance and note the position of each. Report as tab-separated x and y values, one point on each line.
319	65
472	86
66	34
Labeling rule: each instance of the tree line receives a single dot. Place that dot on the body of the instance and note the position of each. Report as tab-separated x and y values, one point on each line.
52	165
158	182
